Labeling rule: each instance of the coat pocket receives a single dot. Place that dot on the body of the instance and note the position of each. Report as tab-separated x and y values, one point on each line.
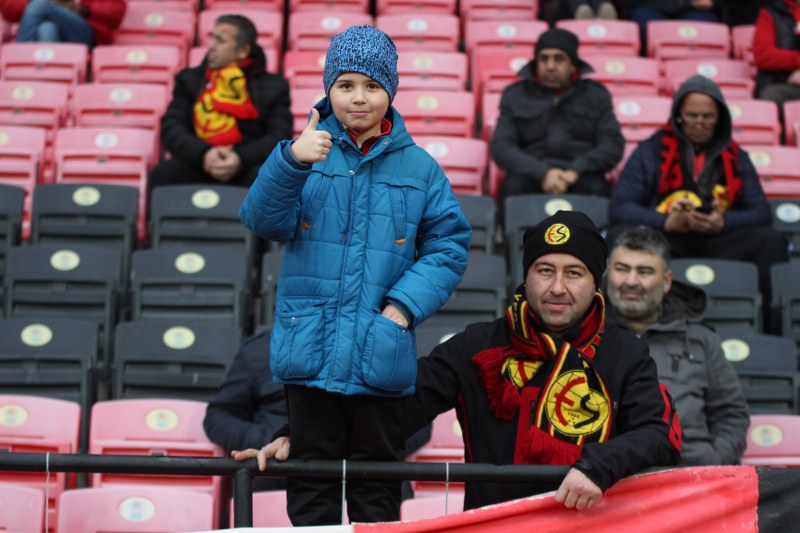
390	356
296	345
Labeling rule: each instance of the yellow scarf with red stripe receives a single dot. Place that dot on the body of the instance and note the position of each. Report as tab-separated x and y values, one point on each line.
561	400
223	102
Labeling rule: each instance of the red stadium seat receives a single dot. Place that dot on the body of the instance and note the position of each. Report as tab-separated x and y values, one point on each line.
623	75
732	76
437	112
121	156
269	25
30	103
420	70
673	39
304	70
496	175
172	428
313	30
22	153
30	424
338	6
137	64
446	446
773	440
791	120
134	105
58	62
495	37
21	508
498	9
421	31
302	102
755	121
604	37
135	508
145	24
198	53
269	509
190	6
641	116
778	169
431	506
490	112
742	39
463	160
438	7
495	71
233	6
613	175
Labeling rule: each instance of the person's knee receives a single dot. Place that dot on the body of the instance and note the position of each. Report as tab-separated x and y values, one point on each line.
777	92
37	8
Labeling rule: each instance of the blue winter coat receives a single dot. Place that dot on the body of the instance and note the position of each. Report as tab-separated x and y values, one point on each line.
361	231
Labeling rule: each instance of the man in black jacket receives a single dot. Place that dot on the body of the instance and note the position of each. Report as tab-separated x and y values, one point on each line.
226	115
556	131
549	383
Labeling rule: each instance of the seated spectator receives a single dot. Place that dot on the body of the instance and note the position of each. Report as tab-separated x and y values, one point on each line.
226	115
776	49
665	313
644	11
691	180
89	22
556	132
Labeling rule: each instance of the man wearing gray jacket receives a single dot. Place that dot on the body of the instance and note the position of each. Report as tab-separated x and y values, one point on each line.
665	314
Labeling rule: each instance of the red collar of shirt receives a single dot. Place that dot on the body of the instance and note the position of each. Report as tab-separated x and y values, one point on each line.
386	129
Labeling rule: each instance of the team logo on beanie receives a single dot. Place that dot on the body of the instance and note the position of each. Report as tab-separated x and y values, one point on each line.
556	234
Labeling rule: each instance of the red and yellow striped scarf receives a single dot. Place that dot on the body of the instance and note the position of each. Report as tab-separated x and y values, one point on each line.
220	106
561	400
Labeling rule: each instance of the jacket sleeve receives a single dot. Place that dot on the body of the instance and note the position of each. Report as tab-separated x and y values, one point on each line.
609	144
726	408
107	13
272	205
442	249
766	54
177	130
278	121
753	208
506	148
249	407
631	197
648	431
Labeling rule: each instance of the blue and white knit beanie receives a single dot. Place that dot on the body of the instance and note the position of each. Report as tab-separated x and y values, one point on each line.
365	50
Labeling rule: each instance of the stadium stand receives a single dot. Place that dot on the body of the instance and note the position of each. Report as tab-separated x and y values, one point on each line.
439	7
54	62
742	42
234	5
498	10
732	75
34	103
146	23
312	30
786	298
778	169
481	212
130	105
12	201
119	63
791	120
269	509
773	441
421	31
22	153
431	506
755	121
641	116
303	70
463	160
604	37
446	446
494	72
786	219
21	508
673	39
432	71
626	76
430	336
270	270
448	113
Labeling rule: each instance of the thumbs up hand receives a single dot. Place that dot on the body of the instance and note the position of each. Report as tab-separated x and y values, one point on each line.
313	145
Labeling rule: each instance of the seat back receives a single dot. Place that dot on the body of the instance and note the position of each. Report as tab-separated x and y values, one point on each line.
30	424
430	336
450	113
435	71
21	508
172	359
270	270
498	9
200	284
525	211
421	31
734	300
148	24
59	62
462	160
604	37
493	72
791	120
481	213
12	201
671	39
778	169
41	104
304	69
626	75
431	506
302	102
773	440
755	121
137	63
446	446
493	36
439	7
136	509
135	105
742	42
641	116
313	30
233	5
786	298
269	509
731	75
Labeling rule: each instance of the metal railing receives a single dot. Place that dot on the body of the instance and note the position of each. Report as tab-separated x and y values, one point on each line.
243	472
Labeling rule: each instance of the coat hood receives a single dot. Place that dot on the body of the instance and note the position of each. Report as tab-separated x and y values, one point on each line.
701	84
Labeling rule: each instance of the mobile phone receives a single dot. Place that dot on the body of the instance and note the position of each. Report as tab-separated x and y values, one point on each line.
705	209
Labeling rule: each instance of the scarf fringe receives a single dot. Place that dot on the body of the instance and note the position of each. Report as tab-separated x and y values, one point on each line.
540	448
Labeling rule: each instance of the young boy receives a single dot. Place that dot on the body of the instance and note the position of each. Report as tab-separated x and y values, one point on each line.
375	243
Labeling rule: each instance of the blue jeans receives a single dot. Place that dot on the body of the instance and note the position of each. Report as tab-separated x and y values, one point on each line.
643	15
44	21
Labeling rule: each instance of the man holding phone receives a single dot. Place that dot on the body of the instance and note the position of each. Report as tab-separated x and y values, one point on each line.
691	180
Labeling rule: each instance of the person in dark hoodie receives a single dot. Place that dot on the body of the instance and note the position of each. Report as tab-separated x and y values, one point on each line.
549	383
556	132
665	313
692	181
226	115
